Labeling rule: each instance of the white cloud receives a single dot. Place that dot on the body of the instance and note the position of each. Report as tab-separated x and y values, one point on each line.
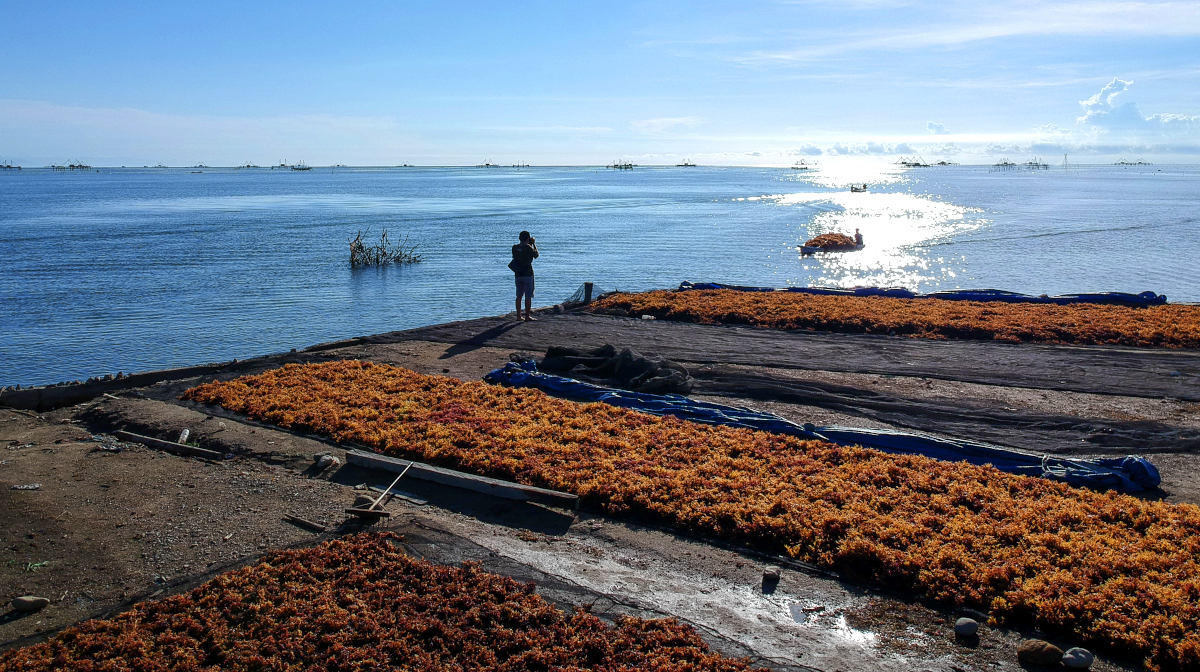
660	124
944	149
870	148
805	150
936	128
1102	113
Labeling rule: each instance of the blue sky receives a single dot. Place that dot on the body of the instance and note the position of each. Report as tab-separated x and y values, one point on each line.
762	83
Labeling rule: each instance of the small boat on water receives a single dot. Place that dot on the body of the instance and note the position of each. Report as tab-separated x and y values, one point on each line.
858	190
830	242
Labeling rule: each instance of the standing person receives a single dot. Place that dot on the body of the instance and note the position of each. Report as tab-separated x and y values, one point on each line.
522	266
857	238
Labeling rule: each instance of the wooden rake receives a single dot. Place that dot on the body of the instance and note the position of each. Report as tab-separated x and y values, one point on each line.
372	513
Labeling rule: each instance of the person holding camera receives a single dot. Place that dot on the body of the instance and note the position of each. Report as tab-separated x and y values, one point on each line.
523	254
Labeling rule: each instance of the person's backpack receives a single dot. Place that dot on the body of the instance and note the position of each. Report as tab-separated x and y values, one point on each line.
513	265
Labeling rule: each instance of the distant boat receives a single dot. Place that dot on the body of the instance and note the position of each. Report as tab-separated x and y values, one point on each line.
858	190
801	165
301	166
685	164
622	165
488	164
914	162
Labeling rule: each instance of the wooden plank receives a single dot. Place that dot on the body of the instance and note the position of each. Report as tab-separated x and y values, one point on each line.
458	479
401	495
169	446
305	524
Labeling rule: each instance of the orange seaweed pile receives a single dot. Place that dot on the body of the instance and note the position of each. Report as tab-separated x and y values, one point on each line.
359	604
832	241
1108	569
1167	326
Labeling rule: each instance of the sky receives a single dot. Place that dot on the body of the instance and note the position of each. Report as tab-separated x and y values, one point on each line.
586	83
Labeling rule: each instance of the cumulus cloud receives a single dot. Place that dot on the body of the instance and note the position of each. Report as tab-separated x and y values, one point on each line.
936	128
660	124
1102	113
868	148
805	150
944	149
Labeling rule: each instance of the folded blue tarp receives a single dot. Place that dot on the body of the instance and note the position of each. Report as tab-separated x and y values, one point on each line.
1117	298
1127	474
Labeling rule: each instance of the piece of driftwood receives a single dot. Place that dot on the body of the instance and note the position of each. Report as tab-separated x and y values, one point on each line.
169	446
304	524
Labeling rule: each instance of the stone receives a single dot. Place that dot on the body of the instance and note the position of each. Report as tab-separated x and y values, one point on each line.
363	501
1038	652
28	603
1078	658
966	627
772	573
328	461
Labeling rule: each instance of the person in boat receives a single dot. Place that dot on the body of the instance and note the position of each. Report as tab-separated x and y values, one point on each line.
523	254
858	238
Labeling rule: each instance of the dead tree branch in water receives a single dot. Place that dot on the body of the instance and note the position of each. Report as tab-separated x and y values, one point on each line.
385	252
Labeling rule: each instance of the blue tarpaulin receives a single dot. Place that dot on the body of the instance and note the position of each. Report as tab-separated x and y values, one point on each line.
1127	474
1117	298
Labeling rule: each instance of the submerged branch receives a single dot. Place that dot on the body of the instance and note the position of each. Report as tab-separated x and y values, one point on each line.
385	252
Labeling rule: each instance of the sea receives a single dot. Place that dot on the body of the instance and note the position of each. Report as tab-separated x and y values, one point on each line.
124	269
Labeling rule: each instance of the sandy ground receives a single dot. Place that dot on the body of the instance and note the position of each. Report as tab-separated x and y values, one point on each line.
107	529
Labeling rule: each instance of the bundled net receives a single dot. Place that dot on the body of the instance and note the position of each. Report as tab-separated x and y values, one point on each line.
831	241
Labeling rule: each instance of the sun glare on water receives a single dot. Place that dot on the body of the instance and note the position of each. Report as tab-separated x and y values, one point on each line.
897	229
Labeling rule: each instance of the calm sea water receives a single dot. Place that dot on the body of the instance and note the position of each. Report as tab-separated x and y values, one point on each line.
141	269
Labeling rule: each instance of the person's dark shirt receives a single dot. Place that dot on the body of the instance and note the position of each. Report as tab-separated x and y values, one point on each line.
858	239
524	255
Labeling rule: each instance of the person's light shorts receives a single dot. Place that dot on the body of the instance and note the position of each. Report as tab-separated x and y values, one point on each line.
524	286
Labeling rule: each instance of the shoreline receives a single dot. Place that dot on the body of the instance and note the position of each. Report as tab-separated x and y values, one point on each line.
1143	371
